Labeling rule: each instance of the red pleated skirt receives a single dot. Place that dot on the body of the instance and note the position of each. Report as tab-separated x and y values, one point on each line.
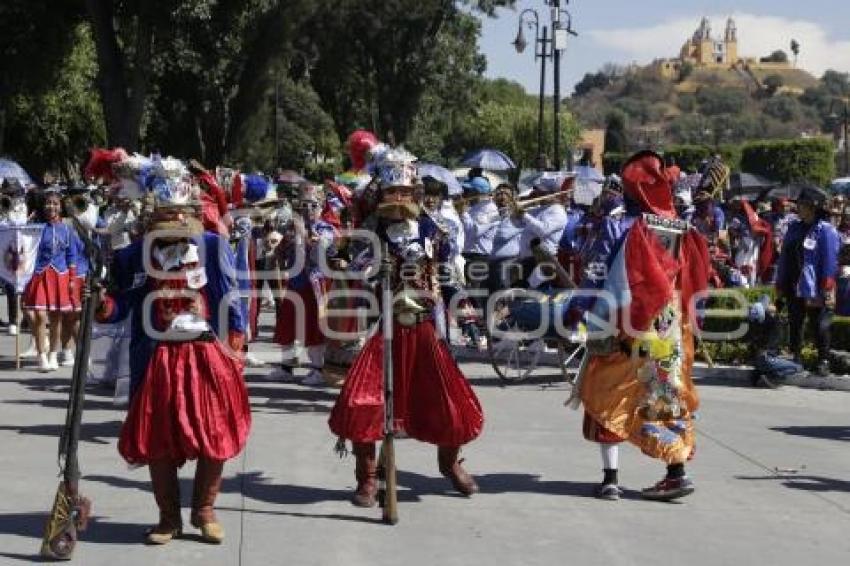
48	291
193	403
291	326
433	400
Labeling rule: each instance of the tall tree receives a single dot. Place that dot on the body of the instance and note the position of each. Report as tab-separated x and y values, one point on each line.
35	36
130	36
381	53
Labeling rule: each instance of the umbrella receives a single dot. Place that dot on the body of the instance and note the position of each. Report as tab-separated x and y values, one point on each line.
490	159
11	170
749	185
442	175
290	177
790	191
549	180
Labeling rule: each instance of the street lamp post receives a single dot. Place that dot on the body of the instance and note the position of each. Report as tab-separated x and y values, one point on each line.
559	44
548	48
541	43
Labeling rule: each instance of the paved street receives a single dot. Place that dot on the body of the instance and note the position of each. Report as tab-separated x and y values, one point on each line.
772	471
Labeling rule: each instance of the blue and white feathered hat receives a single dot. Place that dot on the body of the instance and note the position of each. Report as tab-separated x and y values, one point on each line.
171	183
132	174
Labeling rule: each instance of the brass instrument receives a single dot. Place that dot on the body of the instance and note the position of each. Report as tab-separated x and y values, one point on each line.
540	201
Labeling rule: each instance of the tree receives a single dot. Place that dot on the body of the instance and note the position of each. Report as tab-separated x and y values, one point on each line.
615	133
225	61
784	108
35	37
54	128
772	84
724	100
778	56
836	83
129	37
592	81
795	49
381	54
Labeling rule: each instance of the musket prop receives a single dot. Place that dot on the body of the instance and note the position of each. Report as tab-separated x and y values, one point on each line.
71	510
388	469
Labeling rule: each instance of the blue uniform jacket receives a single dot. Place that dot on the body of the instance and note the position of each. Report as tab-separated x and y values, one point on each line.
56	248
819	263
133	284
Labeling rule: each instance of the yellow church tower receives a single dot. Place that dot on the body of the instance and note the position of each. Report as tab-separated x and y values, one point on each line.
731	41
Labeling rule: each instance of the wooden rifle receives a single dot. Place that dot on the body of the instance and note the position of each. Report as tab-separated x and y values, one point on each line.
388	489
71	510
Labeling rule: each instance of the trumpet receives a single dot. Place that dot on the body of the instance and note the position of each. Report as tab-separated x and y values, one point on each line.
540	201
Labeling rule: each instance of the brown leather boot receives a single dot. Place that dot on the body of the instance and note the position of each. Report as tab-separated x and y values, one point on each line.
166	491
366	471
451	468
204	491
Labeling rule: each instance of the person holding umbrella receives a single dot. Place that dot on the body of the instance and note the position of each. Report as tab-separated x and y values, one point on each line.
806	274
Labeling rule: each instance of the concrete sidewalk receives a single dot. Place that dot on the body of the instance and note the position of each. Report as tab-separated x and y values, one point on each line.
772	471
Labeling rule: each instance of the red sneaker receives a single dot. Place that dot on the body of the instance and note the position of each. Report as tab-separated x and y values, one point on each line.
669	489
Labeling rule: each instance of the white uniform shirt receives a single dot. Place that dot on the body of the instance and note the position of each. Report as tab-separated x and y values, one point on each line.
479	223
547	223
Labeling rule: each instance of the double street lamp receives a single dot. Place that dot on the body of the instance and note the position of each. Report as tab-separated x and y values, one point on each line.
546	48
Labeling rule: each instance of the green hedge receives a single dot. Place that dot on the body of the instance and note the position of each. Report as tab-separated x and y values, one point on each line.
791	160
689	157
724	315
784	161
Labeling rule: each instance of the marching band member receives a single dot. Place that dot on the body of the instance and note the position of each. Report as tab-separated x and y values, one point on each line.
309	239
433	401
79	205
635	384
545	224
48	294
479	224
188	397
13	212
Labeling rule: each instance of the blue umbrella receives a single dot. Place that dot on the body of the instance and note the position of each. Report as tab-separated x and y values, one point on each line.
11	170
490	159
442	175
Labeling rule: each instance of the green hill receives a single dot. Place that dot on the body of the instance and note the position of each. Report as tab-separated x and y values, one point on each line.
710	107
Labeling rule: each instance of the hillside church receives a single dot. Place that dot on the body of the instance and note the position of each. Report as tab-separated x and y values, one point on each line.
703	51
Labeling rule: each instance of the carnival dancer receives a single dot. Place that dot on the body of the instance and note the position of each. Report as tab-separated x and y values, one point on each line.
806	274
48	294
751	242
188	397
433	401
305	250
635	383
253	202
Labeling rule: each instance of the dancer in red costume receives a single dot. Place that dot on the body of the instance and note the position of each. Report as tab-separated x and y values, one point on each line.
188	397
433	401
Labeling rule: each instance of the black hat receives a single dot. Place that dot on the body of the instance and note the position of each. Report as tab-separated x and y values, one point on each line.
814	195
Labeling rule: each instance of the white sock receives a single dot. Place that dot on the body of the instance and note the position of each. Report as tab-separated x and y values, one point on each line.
610	456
